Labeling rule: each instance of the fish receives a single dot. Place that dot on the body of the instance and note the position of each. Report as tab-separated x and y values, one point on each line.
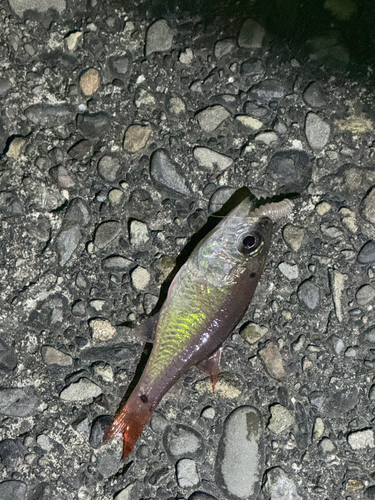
205	302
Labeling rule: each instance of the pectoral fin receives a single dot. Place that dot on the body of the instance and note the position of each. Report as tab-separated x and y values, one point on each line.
146	330
211	366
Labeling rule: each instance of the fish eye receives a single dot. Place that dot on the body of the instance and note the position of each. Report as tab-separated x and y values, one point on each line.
249	243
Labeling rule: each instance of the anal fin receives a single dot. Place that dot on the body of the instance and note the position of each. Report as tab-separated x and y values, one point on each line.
211	366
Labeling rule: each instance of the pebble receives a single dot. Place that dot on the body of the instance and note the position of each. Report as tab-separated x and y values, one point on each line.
158	422
61	177
211	160
318	429
13	490
66	243
290	169
159	37
228	386
290	271
44	442
281	419
72	39
272	360
140	278
12	453
368	206
106	233
108	462
52	356
337	285
252	67
167	172
116	263
224	47
90	81
323	208
210	118
125	493
339	401
176	106
186	473
362	439
15	147
219	198
8	357
116	197
108	167
314	96
95	125
316	398
186	56
136	137
50	115
267	90
279	486
370	493
251	35
200	495
104	371
80	391
309	295
364	295
249	122
293	236
253	332
98	428
77	213
337	344
330	231
5	86
367	253
317	131
208	413
101	330
349	220
182	441
267	137
138	232
16	403
239	462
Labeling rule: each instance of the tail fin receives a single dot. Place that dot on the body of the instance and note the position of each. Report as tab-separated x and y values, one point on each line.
129	423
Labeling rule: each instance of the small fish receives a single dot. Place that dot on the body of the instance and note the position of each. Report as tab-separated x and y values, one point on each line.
205	302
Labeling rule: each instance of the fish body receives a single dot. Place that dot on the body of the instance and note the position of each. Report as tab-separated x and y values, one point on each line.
205	302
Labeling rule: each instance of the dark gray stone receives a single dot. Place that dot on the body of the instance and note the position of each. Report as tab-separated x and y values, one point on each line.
8	357
98	429
267	90
77	213
5	86
309	295
370	493
167	172
106	232
66	243
94	125
291	170
119	354
16	403
13	490
367	253
200	495
253	67
116	263
52	115
12	452
314	96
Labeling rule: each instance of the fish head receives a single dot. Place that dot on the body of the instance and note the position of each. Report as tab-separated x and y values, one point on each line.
238	244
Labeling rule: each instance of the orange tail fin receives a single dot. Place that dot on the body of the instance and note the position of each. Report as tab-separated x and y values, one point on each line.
129	423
